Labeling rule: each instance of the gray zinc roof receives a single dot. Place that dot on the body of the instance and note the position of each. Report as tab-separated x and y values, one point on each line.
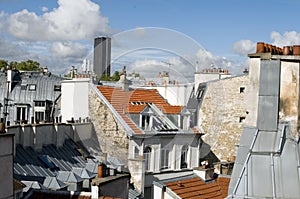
68	176
53	183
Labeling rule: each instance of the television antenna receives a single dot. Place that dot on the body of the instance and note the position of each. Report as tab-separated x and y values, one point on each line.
169	65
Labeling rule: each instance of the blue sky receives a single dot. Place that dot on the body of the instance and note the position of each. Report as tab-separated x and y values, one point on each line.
60	33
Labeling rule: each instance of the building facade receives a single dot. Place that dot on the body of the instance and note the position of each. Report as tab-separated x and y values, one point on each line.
221	112
102	56
139	127
267	164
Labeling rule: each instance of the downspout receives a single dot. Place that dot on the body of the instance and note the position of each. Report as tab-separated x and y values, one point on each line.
53	107
273	176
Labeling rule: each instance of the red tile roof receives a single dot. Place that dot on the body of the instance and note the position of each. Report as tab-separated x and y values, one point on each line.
197	189
112	94
135	108
135	102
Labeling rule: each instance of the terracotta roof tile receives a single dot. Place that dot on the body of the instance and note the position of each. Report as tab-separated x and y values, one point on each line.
196	188
137	108
123	102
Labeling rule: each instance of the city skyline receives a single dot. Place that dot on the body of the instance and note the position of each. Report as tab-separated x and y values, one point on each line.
60	33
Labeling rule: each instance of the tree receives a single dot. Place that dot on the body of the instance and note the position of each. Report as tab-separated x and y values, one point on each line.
3	64
116	76
105	78
28	65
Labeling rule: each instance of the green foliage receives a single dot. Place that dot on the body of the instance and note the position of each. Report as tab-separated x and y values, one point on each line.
3	64
28	65
114	77
105	78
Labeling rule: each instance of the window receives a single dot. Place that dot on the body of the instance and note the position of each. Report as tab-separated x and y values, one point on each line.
242	89
145	122
23	86
164	159
57	87
39	103
32	87
242	119
39	116
147	158
184	151
21	113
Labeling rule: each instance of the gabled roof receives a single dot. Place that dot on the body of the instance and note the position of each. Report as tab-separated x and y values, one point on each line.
68	176
53	183
135	102
83	173
196	188
152	96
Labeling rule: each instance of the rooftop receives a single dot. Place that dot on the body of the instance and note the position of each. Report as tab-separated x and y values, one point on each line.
137	101
195	188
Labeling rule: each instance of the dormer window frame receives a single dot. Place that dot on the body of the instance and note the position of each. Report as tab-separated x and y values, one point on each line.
146	119
32	87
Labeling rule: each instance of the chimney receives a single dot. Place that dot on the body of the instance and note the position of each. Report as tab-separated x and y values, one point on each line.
9	79
205	172
124	81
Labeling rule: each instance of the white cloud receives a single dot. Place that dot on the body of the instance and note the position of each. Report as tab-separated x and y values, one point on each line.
72	20
68	50
11	50
244	47
205	59
3	16
288	38
44	9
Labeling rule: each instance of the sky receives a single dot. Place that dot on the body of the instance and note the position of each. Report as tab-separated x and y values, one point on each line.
147	35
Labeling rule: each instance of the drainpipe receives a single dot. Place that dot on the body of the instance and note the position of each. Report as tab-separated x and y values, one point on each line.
273	176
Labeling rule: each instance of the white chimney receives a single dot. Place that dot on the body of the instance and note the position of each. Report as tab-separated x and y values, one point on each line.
205	174
9	79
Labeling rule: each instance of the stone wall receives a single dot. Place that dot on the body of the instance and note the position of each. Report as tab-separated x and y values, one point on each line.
222	114
110	133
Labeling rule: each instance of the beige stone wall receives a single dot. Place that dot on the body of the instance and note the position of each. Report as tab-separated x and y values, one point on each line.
222	109
110	133
289	95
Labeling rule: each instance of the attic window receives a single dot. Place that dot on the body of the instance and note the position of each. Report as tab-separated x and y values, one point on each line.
57	87
23	87
242	89
32	87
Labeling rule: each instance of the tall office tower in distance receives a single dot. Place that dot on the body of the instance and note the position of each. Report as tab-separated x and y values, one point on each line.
102	56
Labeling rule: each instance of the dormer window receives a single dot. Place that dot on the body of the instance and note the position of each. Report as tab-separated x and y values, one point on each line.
32	87
146	119
145	122
23	87
57	87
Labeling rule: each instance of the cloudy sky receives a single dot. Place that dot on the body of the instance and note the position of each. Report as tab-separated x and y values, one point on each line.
146	34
